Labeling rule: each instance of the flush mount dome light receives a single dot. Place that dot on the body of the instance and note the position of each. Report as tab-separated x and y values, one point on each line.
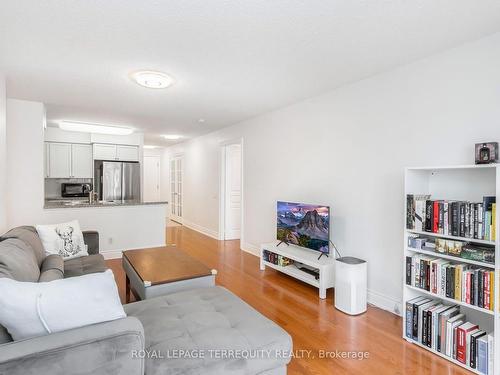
87	127
152	79
172	137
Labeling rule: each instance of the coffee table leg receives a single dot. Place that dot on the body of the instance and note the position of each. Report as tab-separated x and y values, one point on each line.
127	289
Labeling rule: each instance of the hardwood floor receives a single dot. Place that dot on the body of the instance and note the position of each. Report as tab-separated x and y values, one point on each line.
314	324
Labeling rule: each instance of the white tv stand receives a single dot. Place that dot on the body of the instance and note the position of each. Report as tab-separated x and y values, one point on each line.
325	265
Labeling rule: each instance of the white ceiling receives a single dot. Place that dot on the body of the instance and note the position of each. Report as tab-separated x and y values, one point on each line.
232	60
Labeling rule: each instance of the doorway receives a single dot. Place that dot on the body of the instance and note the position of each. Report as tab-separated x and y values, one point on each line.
232	191
151	178
176	178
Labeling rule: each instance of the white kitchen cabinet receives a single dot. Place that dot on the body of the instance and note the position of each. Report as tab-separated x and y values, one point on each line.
115	152
104	152
81	161
66	160
127	153
59	160
46	159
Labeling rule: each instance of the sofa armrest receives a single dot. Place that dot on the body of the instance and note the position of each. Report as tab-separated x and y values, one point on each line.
104	348
91	238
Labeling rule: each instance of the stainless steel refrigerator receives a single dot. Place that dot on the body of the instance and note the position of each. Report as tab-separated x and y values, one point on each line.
118	181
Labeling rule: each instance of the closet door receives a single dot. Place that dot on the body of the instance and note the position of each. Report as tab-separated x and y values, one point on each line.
176	176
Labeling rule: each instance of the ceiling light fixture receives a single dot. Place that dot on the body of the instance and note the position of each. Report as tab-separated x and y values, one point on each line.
172	137
152	79
201	120
150	147
87	127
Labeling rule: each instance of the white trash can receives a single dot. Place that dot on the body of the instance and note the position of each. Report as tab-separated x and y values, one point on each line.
350	285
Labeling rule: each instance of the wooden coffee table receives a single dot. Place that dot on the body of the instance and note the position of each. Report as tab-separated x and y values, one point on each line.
158	271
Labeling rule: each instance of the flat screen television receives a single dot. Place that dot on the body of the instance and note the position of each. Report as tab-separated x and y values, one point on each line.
304	225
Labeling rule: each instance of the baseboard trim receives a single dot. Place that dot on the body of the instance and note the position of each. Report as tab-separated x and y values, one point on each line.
117	254
250	248
384	302
207	232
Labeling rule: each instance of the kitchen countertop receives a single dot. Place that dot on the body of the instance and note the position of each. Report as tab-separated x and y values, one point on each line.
72	203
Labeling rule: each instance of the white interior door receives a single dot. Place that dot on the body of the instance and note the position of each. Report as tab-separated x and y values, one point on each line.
176	177
151	179
232	222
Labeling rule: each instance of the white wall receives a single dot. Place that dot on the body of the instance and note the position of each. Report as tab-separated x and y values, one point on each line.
3	157
348	149
120	228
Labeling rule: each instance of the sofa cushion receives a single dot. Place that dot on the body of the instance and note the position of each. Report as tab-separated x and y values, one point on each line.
4	335
65	239
84	265
52	268
28	235
36	309
211	320
53	262
18	261
91	238
50	275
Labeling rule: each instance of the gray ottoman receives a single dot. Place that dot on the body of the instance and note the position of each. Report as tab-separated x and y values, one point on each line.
209	331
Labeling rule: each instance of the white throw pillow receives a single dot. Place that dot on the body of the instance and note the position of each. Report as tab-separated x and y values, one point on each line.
36	309
65	239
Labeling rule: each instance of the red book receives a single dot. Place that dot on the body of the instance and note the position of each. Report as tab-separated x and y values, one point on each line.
467	287
434	278
435	221
462	332
486	288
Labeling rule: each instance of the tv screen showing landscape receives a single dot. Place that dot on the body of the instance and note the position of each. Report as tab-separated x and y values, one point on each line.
304	225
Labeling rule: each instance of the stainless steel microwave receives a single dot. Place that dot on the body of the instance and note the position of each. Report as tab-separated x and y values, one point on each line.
75	190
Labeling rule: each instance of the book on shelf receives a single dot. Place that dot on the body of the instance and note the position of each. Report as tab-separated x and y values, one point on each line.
422	317
475	220
451	334
464	332
493	221
473	347
442	319
462	282
482	348
456	248
444	328
491	357
276	259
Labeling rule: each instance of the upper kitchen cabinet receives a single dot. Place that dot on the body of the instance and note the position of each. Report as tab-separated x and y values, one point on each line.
59	160
104	152
134	139
66	160
116	152
81	161
127	153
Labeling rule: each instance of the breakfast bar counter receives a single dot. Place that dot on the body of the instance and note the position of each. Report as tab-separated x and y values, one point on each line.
122	225
69	203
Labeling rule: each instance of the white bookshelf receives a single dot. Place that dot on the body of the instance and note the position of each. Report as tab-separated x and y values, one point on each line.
462	183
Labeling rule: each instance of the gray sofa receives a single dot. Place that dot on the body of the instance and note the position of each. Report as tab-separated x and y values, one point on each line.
159	336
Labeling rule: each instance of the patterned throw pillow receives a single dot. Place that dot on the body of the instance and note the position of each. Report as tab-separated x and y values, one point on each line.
65	239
